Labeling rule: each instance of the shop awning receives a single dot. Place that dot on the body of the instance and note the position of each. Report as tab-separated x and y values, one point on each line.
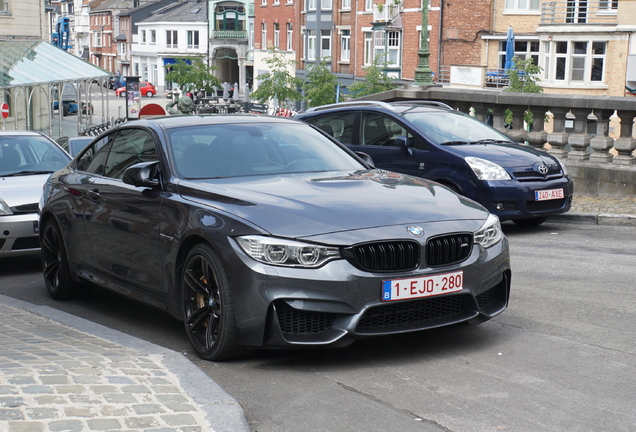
29	62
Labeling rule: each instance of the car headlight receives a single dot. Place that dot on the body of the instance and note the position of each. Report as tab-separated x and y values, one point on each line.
486	170
287	253
565	171
4	208
490	232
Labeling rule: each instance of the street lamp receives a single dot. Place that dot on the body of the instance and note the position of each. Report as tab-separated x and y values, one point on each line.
423	73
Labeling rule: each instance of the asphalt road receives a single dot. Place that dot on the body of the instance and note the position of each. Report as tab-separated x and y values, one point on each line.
562	357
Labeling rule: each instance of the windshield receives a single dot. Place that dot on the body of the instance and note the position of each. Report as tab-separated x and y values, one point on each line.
26	155
229	150
452	127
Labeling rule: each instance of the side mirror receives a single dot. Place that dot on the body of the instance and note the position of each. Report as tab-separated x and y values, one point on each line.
144	174
403	143
366	158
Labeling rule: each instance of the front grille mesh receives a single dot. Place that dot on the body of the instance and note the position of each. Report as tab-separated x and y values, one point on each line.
386	318
448	249
386	256
299	322
25	208
535	206
553	173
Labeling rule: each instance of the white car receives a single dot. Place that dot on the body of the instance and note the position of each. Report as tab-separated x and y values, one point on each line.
27	159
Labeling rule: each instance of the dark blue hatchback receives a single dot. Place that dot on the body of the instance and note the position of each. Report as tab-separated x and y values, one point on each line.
429	139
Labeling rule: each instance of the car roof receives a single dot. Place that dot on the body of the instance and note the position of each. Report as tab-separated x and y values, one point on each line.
21	133
175	121
396	106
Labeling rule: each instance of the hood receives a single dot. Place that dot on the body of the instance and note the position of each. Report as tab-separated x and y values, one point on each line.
312	204
505	155
21	190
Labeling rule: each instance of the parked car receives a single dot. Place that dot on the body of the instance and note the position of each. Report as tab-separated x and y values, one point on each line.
73	145
26	160
262	231
116	81
430	140
146	89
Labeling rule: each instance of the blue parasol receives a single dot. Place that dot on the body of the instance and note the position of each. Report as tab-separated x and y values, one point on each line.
510	49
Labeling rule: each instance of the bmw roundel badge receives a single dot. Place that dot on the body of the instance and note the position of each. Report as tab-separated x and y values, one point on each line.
415	231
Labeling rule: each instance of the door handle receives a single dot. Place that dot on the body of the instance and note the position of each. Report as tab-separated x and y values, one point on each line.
93	193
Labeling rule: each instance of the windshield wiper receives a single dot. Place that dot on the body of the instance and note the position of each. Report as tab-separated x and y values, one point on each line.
24	173
455	142
492	141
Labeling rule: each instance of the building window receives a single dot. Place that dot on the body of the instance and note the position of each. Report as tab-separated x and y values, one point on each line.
153	36
346	4
368	48
523	50
229	16
522	5
311	45
97	39
193	39
311	4
368	5
276	2
345	45
325	44
290	37
393	48
276	35
326	4
4	7
608	6
143	36
171	39
264	35
263	2
575	61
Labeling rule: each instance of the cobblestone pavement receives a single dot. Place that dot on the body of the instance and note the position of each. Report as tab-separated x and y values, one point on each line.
604	205
57	378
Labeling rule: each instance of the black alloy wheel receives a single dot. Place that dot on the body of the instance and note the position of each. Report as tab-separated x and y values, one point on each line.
57	274
207	308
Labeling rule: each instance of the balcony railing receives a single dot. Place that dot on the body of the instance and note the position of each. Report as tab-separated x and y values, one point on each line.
385	12
229	34
580	12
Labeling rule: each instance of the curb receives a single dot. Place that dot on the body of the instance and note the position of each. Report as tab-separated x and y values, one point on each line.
596	219
220	409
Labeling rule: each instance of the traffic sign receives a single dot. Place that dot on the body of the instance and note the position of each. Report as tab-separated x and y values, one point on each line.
4	108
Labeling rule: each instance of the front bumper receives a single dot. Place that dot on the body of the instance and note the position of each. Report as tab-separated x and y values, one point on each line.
518	198
337	304
19	234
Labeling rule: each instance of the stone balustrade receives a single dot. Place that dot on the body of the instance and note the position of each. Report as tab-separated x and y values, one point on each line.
577	129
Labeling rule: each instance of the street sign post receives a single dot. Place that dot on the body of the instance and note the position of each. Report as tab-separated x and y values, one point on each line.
4	109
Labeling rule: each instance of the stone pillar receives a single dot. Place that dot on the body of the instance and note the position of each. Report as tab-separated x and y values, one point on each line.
602	142
481	112
580	139
537	137
518	131
625	145
559	137
498	121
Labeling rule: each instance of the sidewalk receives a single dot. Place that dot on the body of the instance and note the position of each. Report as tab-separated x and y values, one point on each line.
61	373
56	377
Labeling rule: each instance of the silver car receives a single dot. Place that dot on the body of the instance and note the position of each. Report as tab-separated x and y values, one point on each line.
27	159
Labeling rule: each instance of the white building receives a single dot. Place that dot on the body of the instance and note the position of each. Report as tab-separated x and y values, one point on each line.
177	30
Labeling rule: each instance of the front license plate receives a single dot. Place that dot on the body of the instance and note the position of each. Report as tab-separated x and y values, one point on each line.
544	195
425	286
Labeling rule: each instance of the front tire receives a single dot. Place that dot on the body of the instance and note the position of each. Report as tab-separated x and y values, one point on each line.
57	274
207	306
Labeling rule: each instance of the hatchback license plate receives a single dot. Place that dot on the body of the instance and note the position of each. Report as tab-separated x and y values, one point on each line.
550	194
425	286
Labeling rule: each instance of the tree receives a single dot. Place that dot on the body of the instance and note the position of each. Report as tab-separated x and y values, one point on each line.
278	83
320	88
375	81
524	77
191	73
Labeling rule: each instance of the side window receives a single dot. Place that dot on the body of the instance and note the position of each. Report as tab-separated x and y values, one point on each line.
340	126
380	130
131	146
94	158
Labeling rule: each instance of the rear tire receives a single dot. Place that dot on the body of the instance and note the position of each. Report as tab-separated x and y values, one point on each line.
207	306
532	222
149	94
55	266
